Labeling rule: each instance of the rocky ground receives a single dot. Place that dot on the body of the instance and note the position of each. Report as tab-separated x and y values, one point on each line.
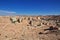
30	27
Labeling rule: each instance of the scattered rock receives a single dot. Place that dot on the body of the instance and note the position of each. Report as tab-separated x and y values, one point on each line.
30	27
40	33
13	20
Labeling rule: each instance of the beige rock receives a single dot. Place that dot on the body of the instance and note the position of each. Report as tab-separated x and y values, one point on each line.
20	31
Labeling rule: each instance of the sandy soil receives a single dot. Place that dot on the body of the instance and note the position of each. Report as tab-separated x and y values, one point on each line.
26	31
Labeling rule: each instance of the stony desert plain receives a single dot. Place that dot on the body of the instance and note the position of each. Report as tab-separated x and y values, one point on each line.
30	27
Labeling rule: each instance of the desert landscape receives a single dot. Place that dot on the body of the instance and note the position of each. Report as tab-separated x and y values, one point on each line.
30	27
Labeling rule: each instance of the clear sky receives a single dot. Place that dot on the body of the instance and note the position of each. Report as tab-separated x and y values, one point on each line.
30	7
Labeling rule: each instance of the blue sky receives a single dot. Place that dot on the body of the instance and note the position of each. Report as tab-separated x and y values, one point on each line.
29	7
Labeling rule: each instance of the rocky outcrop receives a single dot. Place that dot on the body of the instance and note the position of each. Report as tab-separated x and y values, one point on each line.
29	28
